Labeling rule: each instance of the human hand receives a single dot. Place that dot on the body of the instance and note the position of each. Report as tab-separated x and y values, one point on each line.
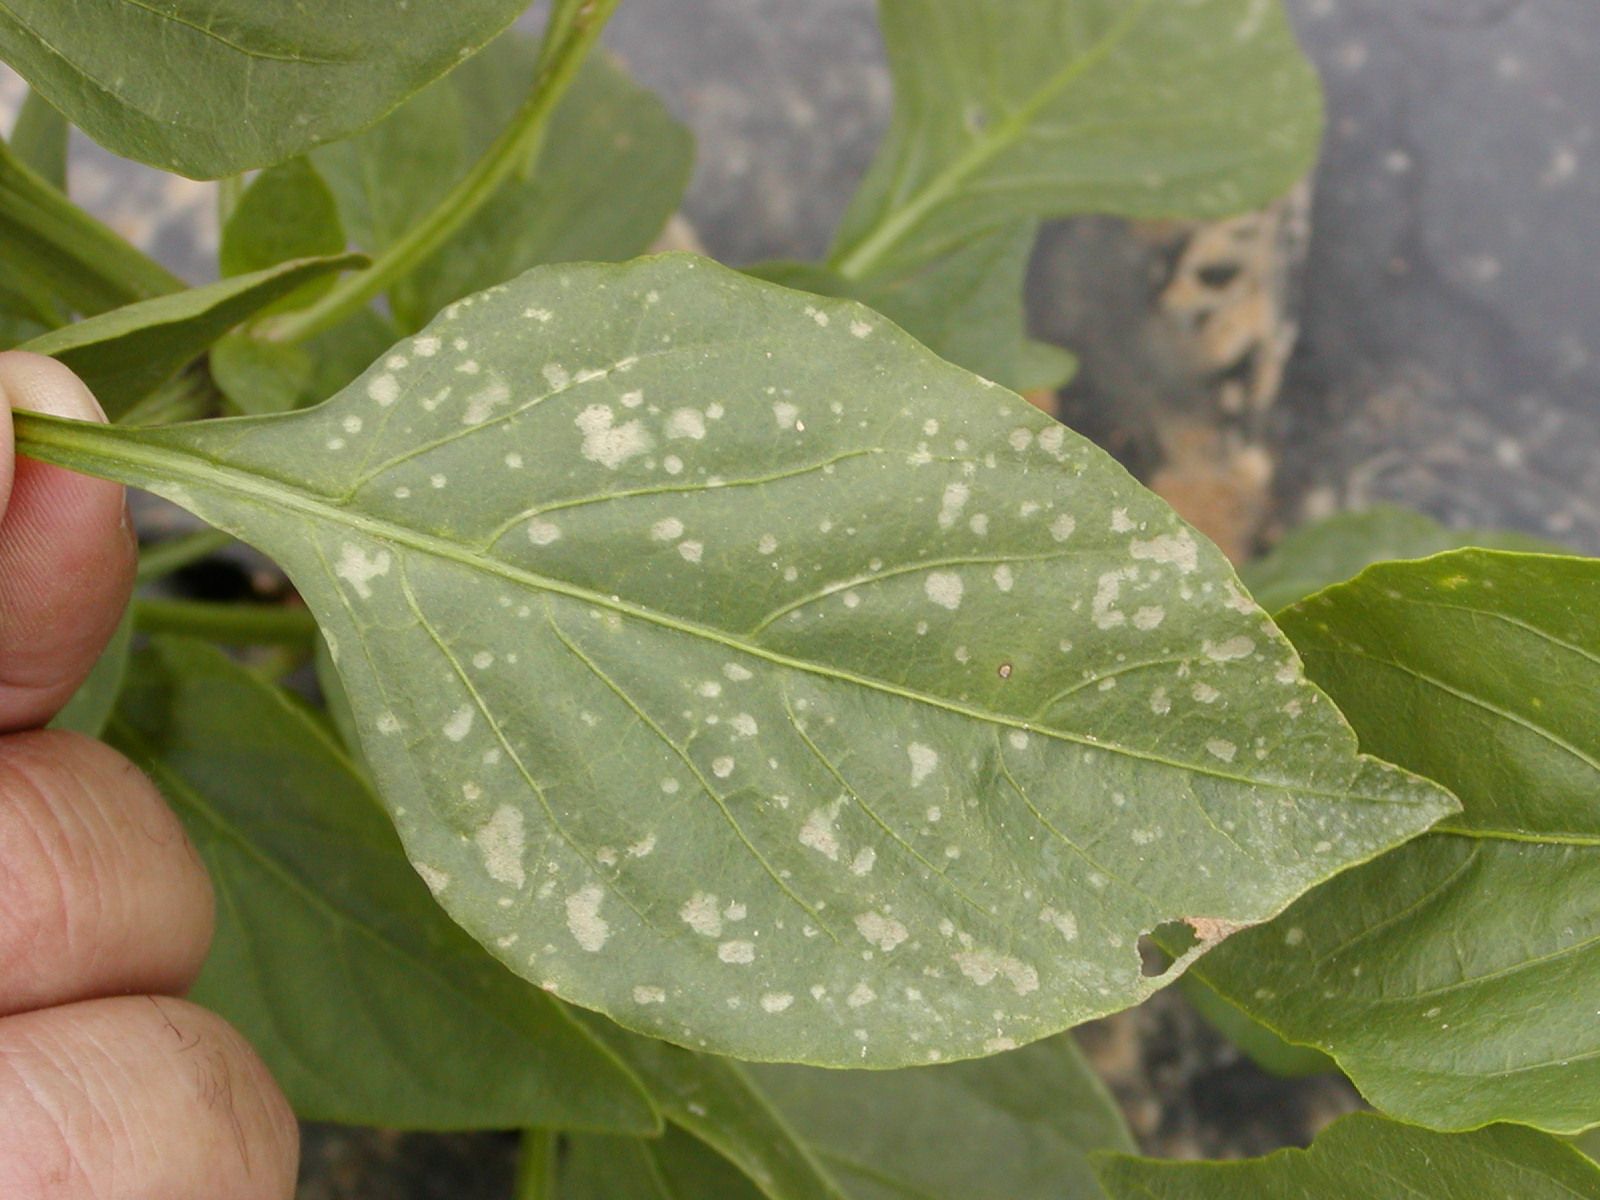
109	1087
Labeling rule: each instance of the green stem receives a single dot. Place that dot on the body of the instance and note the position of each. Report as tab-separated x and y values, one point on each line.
578	28
233	624
164	558
536	1166
57	247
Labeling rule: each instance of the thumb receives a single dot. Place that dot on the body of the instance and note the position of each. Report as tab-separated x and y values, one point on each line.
67	553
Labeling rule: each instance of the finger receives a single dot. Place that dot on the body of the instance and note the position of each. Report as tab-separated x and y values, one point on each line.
139	1097
101	891
67	554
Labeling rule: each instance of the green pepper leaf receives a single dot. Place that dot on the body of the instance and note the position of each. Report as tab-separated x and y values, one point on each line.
965	306
1020	1125
287	212
207	88
1455	979
367	1003
717	1101
1336	548
58	255
91	705
1008	112
1367	1157
720	652
39	138
612	169
673	1167
125	354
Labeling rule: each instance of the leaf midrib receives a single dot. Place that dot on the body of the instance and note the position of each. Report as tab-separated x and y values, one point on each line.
126	456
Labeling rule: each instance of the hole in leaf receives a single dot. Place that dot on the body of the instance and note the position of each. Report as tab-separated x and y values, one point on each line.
1164	946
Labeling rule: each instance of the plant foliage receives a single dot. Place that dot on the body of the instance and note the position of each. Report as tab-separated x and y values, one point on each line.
742	664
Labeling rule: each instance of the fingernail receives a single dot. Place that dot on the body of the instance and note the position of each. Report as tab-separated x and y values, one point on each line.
42	385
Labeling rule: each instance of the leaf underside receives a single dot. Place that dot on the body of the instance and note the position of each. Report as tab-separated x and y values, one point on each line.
733	666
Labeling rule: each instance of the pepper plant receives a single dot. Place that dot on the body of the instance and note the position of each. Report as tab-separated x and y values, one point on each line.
728	675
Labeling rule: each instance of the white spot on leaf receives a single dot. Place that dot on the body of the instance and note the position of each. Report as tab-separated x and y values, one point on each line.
359	569
944	588
818	833
609	444
686	423
1233	648
588	928
436	880
501	841
700	913
383	390
955	499
924	760
460	723
1179	549
542	533
882	931
1220	748
984	966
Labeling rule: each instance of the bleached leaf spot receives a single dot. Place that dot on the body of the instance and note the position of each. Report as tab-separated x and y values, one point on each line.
882	931
384	390
542	532
818	833
1233	648
359	569
944	588
460	723
607	443
701	914
686	423
924	760
588	928
501	841
1179	549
